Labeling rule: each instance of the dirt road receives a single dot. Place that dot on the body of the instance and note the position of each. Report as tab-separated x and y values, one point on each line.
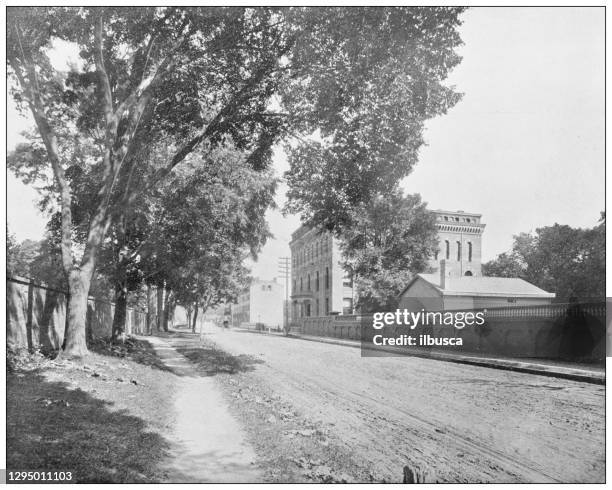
459	423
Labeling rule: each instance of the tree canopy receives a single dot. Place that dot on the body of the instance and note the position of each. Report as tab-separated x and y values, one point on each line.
153	86
567	261
390	240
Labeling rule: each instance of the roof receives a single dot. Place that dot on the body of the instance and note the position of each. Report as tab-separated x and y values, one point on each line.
483	286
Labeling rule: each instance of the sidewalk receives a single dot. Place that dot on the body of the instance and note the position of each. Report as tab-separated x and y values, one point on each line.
578	372
209	445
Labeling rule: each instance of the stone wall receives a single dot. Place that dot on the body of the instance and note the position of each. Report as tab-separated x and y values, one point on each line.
559	332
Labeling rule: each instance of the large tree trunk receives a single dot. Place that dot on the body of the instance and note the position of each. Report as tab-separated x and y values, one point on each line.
195	317
149	308
120	315
189	311
167	306
75	341
160	307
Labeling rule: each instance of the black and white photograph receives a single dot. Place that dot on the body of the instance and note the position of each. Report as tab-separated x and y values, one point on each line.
278	244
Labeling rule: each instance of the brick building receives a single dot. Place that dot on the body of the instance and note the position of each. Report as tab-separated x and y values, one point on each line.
460	238
319	284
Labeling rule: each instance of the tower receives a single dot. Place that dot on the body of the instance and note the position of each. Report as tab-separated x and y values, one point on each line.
460	243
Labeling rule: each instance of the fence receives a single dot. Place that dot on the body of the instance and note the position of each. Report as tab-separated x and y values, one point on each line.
36	316
573	332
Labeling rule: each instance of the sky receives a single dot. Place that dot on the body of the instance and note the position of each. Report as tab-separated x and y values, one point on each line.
524	147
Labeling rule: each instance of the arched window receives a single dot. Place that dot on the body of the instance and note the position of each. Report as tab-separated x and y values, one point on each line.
447	243
469	251
317	285
458	250
468	273
308	282
327	278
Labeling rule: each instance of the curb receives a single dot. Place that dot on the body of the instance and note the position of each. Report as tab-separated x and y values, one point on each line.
572	374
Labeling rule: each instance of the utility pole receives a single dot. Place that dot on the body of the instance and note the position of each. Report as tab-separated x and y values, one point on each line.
284	269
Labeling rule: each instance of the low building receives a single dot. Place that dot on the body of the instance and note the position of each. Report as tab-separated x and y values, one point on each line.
261	302
320	285
444	291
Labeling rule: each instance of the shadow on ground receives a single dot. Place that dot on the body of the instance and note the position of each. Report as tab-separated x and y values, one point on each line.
52	427
208	360
137	350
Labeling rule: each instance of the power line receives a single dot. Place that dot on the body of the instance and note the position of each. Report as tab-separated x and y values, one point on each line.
284	269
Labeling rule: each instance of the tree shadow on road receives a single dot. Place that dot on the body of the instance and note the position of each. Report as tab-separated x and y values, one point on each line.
51	427
209	361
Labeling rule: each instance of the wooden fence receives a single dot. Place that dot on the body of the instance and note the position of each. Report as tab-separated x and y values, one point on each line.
36	316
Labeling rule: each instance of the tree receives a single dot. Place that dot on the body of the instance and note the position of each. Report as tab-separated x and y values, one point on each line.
567	261
193	76
209	217
19	256
154	80
374	79
389	241
504	265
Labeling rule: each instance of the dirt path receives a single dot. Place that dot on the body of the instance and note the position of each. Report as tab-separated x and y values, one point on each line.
208	445
460	423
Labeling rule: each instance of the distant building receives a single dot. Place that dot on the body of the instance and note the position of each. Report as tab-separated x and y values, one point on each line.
319	284
460	243
261	302
441	291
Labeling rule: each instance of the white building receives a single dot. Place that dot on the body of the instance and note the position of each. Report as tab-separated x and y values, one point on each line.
261	302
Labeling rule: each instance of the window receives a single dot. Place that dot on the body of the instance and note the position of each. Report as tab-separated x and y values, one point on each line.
327	306
294	288
347	280
458	250
301	284
308	282
347	306
445	218
436	255
469	251
447	243
317	284
327	278
317	308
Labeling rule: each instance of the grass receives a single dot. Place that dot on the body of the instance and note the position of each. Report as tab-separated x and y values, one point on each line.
104	418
